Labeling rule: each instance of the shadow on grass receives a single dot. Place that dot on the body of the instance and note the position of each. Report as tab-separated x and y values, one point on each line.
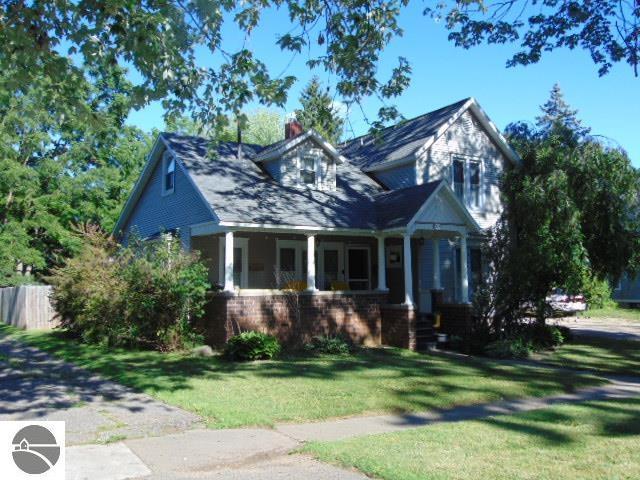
600	354
408	381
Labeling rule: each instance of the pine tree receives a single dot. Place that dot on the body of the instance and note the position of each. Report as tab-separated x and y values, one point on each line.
556	113
319	112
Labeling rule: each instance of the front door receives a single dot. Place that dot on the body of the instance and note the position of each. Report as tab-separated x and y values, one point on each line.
331	266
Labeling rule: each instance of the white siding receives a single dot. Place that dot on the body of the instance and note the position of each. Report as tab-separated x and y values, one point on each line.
287	169
467	137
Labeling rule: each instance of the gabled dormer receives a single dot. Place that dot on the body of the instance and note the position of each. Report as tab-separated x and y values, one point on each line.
302	160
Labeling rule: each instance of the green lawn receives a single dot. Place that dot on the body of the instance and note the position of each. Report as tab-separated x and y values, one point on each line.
603	355
301	389
597	440
613	312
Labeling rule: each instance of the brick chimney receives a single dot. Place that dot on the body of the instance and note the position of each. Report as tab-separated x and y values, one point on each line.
292	128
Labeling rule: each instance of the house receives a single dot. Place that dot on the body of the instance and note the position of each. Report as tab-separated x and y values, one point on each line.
627	290
367	238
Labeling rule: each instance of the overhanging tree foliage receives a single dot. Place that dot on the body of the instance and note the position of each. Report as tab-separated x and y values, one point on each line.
160	38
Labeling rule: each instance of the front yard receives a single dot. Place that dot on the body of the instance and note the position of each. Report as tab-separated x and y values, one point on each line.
595	440
298	389
600	354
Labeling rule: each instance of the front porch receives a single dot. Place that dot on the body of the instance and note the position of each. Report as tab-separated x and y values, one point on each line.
377	286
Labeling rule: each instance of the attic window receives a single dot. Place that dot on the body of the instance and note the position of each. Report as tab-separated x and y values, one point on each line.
169	173
308	170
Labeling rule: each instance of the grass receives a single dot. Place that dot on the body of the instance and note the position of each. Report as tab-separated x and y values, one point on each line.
613	311
593	440
299	389
603	355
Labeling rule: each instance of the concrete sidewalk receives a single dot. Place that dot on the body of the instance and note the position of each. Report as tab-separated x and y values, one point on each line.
356	426
36	386
262	454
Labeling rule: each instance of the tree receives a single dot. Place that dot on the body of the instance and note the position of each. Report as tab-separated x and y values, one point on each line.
260	127
571	216
557	114
163	40
319	112
60	169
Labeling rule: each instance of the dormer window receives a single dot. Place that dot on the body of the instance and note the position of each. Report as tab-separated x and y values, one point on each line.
169	171
308	170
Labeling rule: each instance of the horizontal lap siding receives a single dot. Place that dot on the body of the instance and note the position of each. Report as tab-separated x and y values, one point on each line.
467	137
399	177
629	290
154	212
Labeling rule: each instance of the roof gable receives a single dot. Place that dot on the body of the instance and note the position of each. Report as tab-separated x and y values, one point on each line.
406	141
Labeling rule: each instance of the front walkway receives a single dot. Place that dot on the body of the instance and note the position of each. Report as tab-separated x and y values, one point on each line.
36	386
611	328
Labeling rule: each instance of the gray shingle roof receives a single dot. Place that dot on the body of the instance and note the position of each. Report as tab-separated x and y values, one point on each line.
398	141
239	191
397	207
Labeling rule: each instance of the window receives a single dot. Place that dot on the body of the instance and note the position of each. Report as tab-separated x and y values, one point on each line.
458	179
308	170
467	181
474	184
169	169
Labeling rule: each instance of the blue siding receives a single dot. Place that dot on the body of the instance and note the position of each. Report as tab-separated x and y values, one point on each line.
629	290
273	167
154	213
399	177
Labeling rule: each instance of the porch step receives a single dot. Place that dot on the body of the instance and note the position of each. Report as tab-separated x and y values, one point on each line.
425	333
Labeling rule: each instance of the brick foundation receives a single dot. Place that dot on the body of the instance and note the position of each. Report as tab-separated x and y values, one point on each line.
399	326
295	318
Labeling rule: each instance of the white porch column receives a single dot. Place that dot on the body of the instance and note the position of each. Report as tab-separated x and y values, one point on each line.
464	258
408	274
436	263
228	262
382	265
311	263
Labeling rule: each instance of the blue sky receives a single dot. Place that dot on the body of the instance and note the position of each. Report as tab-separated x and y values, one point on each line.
443	73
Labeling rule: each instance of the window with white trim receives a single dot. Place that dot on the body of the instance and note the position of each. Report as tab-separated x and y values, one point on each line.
316	170
308	169
168	173
466	181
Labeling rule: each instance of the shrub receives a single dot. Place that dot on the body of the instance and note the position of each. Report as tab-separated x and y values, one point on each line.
597	293
252	346
330	345
509	348
143	295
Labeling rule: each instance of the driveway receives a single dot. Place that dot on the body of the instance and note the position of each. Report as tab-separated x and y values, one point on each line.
613	328
34	385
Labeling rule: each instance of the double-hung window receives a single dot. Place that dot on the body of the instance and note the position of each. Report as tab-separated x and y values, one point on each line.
467	181
308	170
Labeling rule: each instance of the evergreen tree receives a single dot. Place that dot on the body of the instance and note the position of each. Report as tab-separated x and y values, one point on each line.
319	112
557	114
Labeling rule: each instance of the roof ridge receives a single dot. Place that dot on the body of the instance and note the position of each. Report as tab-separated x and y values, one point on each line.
198	137
462	101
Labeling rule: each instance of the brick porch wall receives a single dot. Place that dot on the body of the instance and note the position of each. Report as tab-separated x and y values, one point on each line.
399	326
295	318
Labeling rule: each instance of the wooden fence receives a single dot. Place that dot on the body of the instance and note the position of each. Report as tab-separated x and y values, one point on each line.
27	307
